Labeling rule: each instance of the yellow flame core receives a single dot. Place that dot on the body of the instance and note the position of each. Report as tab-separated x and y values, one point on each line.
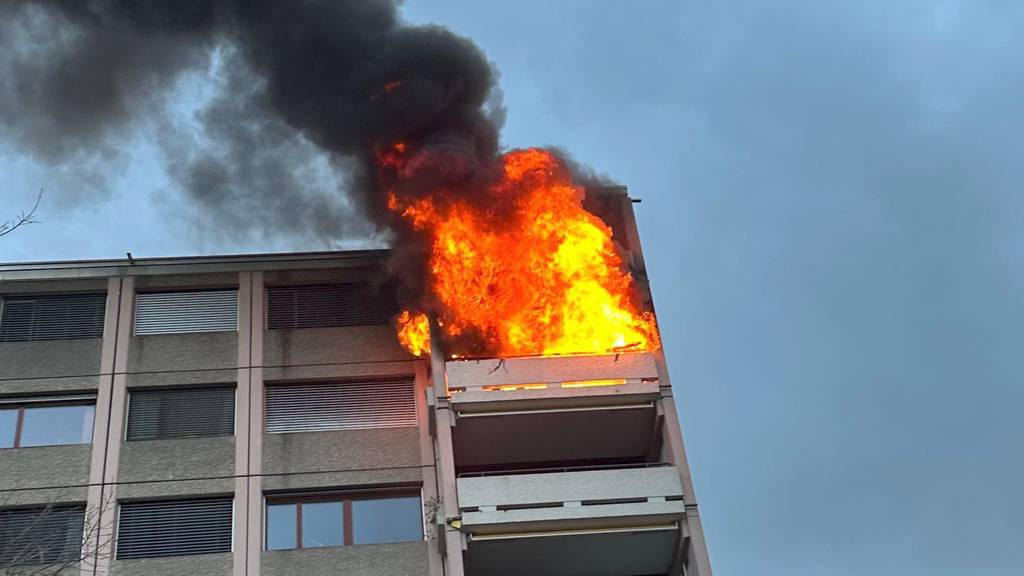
414	332
533	274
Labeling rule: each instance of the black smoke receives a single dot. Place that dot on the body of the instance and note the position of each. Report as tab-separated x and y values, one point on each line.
310	92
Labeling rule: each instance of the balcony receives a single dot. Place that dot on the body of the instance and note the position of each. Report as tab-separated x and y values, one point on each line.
603	522
571	410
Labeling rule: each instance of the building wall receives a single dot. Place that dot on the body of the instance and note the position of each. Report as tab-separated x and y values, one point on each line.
402	559
251	464
245	466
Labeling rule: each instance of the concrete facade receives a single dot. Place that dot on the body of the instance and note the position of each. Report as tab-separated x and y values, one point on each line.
638	491
247	465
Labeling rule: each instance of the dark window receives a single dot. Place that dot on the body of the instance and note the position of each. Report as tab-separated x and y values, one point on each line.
183	413
340	406
183	312
46	421
174	528
342	519
318	306
56	317
41	535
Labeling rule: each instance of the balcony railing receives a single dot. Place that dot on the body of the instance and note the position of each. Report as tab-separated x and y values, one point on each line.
592	522
476	382
543	501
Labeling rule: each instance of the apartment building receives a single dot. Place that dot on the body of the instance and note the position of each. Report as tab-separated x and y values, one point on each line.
247	415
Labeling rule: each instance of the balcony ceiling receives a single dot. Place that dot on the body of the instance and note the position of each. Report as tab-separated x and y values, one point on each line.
497	441
615	554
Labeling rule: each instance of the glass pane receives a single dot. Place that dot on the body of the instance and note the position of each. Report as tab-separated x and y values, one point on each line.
49	425
281	526
323	524
387	520
8	422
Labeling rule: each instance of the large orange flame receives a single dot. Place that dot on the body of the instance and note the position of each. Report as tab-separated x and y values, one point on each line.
540	277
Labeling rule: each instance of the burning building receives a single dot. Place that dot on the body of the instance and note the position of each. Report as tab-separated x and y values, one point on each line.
486	397
282	414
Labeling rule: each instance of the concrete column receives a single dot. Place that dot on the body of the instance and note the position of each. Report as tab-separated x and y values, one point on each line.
431	497
113	396
254	431
242	402
698	563
445	462
101	421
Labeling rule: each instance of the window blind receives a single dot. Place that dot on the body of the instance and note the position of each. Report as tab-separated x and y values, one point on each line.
340	406
174	528
351	304
52	317
41	535
182	413
183	312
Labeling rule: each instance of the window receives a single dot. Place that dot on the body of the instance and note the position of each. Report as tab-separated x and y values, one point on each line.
380	520
52	317
342	519
46	421
41	535
340	406
181	413
174	528
352	304
183	312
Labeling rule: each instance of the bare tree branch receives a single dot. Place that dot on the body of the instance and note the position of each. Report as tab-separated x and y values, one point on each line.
36	551
23	218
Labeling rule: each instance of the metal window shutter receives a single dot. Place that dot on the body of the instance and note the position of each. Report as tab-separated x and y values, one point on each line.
188	413
41	535
351	304
56	317
340	406
180	312
174	528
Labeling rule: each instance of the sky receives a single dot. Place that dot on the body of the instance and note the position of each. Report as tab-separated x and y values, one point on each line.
833	223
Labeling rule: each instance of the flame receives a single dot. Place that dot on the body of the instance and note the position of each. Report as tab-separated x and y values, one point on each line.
414	332
532	272
593	383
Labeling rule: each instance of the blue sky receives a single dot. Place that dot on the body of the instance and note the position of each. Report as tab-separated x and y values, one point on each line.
833	221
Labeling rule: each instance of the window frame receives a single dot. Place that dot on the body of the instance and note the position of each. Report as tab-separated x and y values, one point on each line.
57	402
345	497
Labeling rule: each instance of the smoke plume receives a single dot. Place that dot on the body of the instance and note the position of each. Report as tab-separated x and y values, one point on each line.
309	92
